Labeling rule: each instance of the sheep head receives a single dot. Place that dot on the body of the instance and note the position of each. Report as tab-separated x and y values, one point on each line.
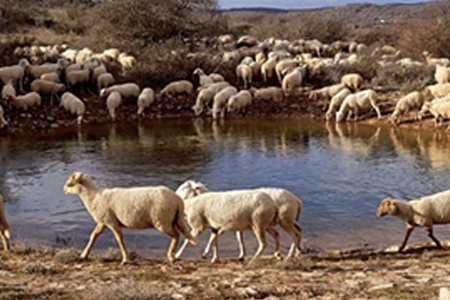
387	207
191	189
76	181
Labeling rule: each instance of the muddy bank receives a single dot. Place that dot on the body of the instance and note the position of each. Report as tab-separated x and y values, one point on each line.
44	273
51	117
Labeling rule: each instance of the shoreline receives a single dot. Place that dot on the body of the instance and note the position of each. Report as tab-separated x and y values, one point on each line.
47	273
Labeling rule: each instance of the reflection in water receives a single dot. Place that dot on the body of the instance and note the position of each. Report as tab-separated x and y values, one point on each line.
340	171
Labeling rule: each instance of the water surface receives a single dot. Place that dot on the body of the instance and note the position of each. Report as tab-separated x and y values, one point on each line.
341	173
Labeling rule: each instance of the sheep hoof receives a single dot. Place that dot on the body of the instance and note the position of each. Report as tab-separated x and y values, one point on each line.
277	256
204	255
126	262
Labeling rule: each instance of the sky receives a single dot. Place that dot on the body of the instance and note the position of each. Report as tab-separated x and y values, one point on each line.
303	4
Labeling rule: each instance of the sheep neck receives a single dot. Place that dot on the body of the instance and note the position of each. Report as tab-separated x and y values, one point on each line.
89	193
405	212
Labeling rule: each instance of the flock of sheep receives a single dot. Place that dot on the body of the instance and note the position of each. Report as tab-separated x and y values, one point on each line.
281	67
259	210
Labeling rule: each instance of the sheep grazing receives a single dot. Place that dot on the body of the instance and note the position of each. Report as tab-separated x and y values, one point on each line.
5	231
146	98
293	80
3	122
133	208
206	95
16	73
245	73
47	88
37	71
239	101
355	102
113	53
112	102
53	76
352	81
427	105
74	105
442	75
78	77
8	91
126	90
412	101
231	211
440	112
336	102
216	77
126	61
283	65
97	71
220	101
27	100
268	68
326	92
177	88
269	93
104	80
425	211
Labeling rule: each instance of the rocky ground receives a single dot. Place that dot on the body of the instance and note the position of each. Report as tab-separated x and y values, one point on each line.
43	273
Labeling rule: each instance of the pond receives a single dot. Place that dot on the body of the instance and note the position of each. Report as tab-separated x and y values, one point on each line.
340	171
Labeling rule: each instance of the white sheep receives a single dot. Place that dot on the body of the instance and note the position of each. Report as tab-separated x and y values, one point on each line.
220	101
104	80
283	66
134	208
47	88
354	102
27	100
113	53
112	102
239	101
16	73
37	71
8	91
268	93
80	77
352	81
216	77
425	211
53	76
440	112
268	68
74	105
326	92
442	74
126	90
427	105
293	80
96	72
206	95
231	211
245	73
431	61
146	98
126	61
289	210
412	101
336	102
437	90
177	88
203	78
3	122
5	230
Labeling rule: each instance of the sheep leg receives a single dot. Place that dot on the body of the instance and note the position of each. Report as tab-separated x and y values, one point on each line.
435	240
298	232
215	242
240	239
208	246
276	237
349	115
95	234
261	236
194	234
356	114
117	231
295	235
173	245
4	240
408	233
377	110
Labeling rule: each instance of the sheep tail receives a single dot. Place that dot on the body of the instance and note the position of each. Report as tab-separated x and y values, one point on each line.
299	212
274	221
181	225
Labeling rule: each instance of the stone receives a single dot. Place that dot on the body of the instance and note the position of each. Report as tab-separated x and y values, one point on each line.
383	286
